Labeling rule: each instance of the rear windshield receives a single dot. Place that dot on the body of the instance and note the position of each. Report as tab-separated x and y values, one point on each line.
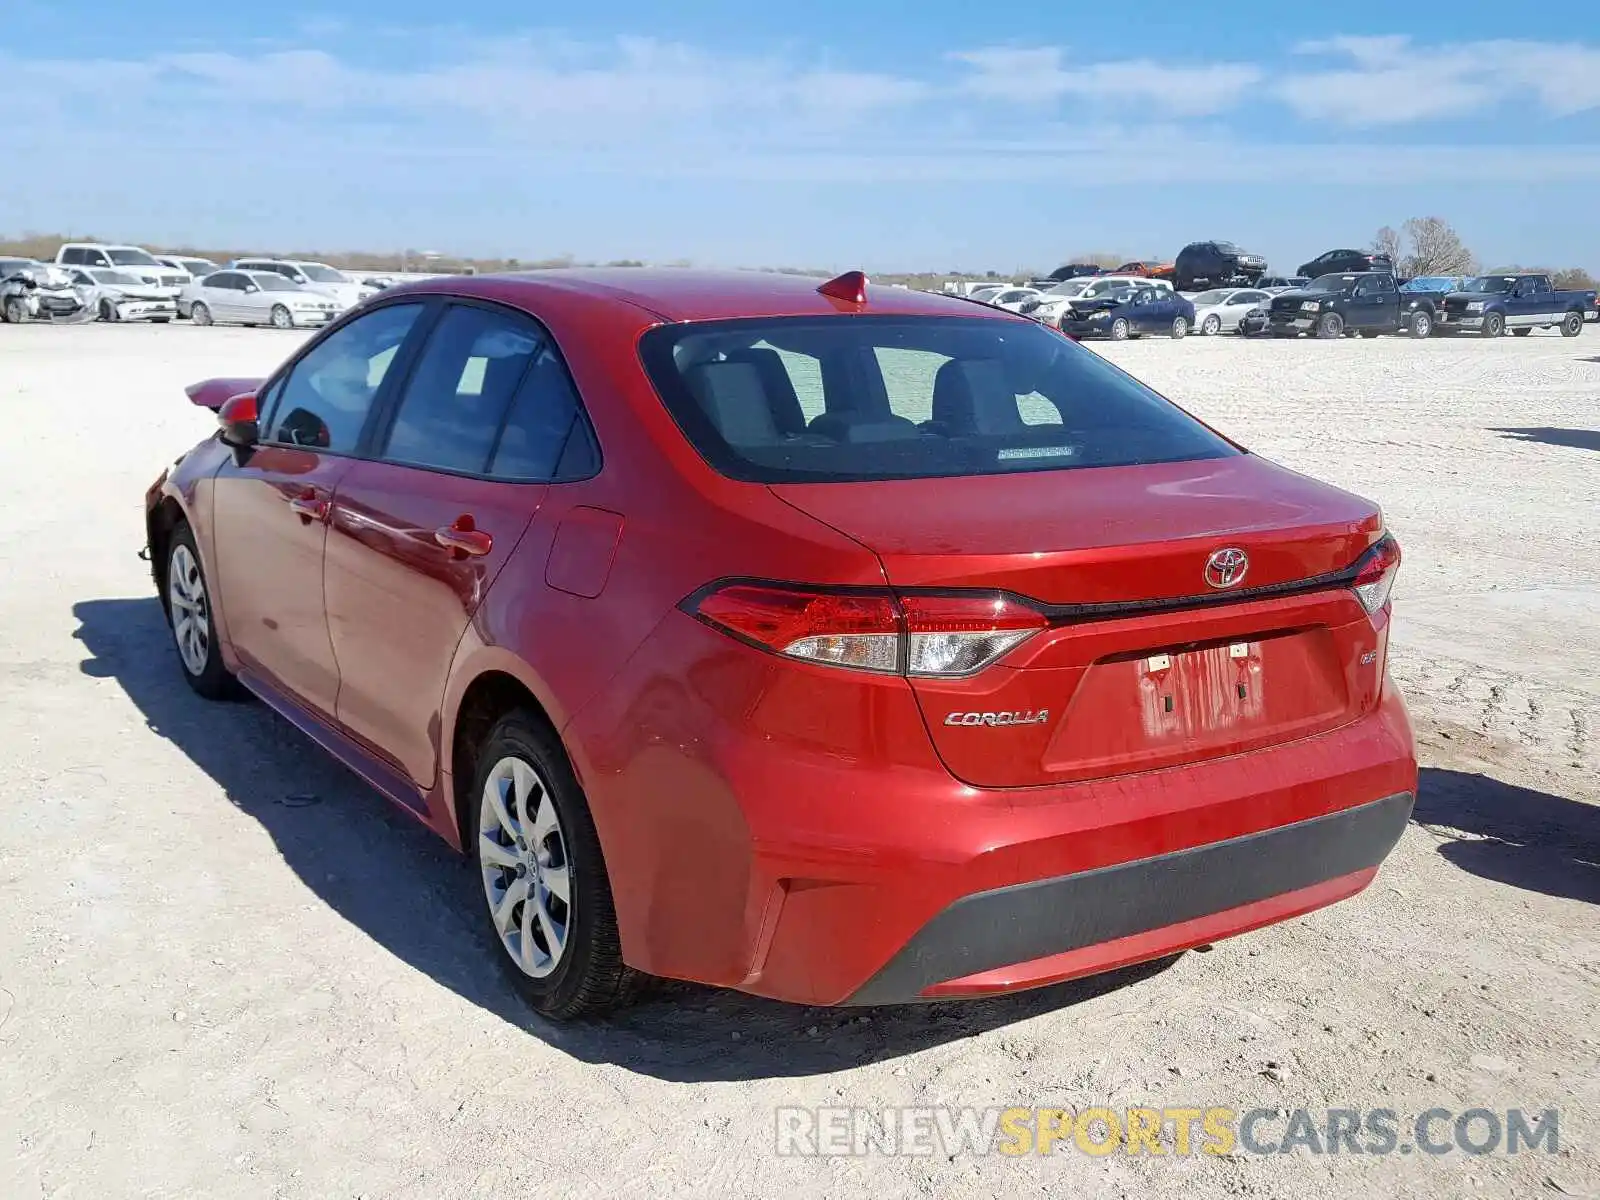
808	399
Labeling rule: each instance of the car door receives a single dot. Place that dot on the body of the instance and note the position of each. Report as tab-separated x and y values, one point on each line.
420	530
270	507
218	293
1526	305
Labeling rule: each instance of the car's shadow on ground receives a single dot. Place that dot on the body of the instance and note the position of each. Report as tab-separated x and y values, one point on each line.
1513	835
1580	439
412	895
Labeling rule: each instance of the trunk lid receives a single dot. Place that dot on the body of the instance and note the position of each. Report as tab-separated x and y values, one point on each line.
1146	663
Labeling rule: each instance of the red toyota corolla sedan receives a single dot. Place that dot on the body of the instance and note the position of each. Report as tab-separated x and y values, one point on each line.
839	644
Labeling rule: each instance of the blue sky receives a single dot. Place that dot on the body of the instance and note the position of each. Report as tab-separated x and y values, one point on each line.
941	135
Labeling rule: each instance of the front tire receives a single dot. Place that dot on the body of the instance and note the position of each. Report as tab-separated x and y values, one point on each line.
189	616
107	311
1120	329
1572	324
1494	325
550	915
1330	325
281	317
1211	326
199	314
16	310
1421	325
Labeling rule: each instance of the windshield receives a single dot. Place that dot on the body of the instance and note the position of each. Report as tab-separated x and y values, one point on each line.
132	258
766	400
268	282
1491	283
117	278
1215	296
1227	247
318	273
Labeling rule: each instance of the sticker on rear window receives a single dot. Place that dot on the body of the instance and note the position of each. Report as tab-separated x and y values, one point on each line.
1036	452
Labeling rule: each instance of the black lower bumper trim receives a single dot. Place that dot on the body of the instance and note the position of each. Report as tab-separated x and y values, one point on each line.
1028	921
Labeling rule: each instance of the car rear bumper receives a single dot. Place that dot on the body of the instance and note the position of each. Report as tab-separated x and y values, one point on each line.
1048	930
793	834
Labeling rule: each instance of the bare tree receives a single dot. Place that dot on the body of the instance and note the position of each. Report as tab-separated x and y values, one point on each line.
1387	241
1436	249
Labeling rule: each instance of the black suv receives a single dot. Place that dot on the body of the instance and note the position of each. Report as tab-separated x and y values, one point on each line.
1216	264
1345	262
1075	271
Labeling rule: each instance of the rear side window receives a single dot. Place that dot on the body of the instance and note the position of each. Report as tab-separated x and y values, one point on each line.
907	397
489	395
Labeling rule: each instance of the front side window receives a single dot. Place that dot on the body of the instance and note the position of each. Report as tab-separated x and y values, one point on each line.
328	393
906	398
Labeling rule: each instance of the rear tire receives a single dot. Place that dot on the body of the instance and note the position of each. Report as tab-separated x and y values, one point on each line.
1493	325
199	314
563	956
1330	325
1180	327
191	619
1572	324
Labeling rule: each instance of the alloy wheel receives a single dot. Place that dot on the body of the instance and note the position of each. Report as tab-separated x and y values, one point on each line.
527	877
191	614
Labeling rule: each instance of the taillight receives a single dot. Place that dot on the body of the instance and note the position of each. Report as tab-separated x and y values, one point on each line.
911	633
956	635
1375	572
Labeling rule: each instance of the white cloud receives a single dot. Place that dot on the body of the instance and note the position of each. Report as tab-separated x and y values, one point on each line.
1039	75
1393	81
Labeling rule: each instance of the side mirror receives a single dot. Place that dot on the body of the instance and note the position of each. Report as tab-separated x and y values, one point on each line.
251	287
237	421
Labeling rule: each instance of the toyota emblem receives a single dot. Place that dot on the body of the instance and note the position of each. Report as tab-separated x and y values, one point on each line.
1226	568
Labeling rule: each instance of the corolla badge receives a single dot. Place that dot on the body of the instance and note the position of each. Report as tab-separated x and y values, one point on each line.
1225	568
999	719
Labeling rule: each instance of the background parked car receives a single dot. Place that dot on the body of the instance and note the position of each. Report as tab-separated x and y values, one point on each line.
1221	309
255	298
1012	299
1146	269
1053	305
1267	282
122	296
136	260
1076	271
196	268
318	277
1130	310
1216	264
1342	262
1491	304
1363	302
31	290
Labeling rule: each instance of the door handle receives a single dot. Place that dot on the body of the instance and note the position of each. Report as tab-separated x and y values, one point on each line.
464	538
309	508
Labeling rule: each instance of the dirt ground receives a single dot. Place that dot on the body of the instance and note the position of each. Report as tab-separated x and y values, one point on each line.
227	969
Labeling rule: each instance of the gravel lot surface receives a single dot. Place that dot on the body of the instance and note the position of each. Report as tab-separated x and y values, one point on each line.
227	969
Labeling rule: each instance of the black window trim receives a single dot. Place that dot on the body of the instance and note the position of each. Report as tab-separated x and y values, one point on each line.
386	407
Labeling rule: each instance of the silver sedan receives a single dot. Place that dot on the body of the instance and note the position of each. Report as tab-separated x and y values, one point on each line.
254	298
